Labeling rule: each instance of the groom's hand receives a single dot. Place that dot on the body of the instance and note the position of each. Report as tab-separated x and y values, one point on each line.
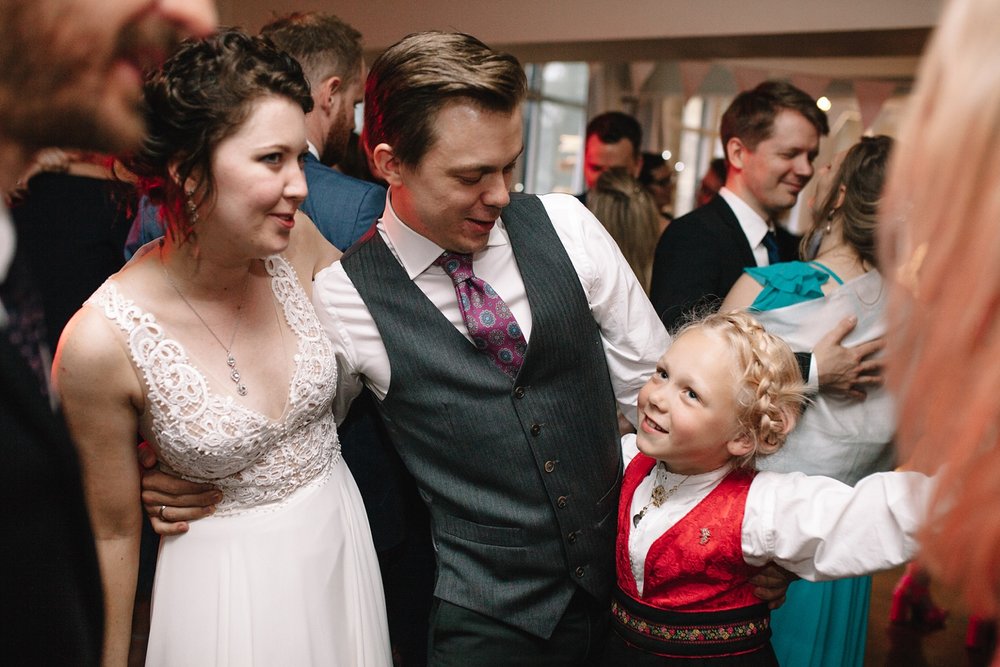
771	584
170	501
848	371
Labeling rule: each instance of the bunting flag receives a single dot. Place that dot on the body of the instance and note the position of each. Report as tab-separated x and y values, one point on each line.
692	75
748	78
871	97
639	72
815	86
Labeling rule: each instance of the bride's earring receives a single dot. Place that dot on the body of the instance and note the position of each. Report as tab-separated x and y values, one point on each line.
192	209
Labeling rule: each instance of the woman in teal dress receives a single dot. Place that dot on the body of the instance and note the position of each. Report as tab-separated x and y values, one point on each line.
824	624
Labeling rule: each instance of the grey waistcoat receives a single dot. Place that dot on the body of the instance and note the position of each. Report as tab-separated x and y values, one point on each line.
521	478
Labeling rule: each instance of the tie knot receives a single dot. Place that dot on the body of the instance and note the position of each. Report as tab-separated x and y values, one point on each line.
456	265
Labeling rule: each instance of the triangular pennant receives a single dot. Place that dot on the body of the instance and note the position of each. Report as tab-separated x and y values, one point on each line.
871	97
747	78
640	72
692	75
815	86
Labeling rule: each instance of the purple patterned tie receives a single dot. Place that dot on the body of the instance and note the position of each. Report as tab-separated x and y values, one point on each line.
491	324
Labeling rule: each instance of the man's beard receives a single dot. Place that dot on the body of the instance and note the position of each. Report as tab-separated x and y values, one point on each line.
334	148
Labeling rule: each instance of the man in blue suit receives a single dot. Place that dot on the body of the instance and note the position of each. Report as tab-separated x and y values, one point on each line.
69	77
329	51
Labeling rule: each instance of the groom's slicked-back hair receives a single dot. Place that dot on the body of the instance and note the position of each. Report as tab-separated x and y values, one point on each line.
422	73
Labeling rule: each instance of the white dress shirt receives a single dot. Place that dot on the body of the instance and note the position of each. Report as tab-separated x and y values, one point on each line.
813	526
8	244
754	227
632	334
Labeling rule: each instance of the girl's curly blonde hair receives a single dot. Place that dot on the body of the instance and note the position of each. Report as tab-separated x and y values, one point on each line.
768	382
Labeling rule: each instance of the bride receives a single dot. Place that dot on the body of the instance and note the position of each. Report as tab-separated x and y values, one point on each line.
207	346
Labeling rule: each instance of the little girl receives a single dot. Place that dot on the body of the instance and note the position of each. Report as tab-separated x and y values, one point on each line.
696	521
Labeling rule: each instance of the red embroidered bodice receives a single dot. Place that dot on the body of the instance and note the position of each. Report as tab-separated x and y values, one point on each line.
697	564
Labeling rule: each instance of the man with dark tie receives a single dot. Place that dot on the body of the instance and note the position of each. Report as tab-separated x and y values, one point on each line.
71	76
771	136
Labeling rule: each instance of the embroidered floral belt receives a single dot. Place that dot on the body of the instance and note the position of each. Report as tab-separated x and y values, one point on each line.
689	634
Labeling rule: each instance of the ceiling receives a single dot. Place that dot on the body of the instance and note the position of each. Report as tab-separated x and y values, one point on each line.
845	39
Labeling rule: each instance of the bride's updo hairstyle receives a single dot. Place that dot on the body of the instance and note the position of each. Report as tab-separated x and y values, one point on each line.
200	96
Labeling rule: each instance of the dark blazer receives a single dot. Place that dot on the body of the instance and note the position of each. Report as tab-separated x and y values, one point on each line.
72	230
51	605
698	259
342	207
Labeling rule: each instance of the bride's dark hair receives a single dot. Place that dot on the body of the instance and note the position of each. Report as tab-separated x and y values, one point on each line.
200	96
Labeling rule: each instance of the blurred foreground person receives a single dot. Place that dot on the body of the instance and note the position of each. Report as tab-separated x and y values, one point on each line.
71	76
942	256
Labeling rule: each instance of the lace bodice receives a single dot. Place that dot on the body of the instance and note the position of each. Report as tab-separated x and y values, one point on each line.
207	437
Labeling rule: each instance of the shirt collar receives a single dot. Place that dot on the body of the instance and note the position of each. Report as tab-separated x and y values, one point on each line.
754	227
313	149
415	251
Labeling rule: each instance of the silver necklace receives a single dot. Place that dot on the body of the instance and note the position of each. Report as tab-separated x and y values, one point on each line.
659	494
234	373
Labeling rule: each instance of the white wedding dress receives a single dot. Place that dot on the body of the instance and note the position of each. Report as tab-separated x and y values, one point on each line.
284	573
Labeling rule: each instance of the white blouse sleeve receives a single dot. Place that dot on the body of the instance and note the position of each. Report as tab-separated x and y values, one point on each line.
820	528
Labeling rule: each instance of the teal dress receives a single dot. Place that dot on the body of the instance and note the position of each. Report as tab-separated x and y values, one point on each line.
825	623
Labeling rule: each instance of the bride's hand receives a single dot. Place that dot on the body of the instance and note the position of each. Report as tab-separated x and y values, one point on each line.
170	501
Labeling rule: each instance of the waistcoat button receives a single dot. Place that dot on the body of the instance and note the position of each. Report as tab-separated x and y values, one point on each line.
579	572
519	392
550	466
561	502
536	429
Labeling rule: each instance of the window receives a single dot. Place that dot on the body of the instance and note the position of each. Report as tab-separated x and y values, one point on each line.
555	119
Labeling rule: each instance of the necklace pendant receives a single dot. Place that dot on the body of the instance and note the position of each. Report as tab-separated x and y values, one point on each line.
241	390
231	361
638	517
235	376
658	495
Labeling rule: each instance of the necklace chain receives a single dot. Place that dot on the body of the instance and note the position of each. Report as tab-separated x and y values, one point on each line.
659	495
234	373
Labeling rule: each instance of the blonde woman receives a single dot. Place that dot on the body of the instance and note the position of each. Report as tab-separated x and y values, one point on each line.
628	212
